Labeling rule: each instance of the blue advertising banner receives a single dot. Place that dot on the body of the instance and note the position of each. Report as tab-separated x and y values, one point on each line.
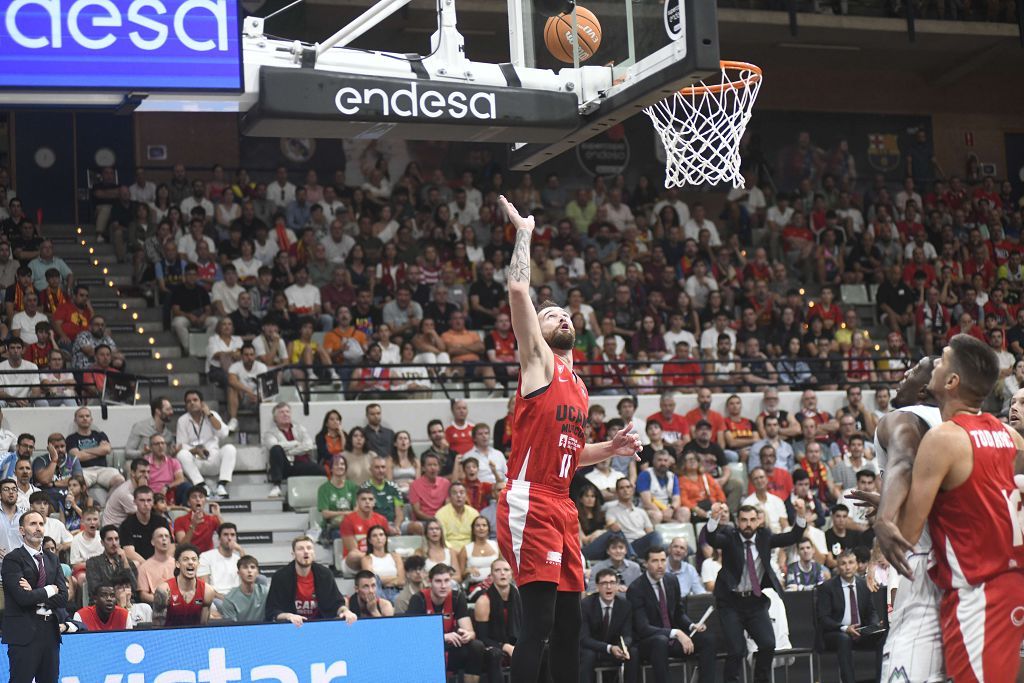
396	650
120	44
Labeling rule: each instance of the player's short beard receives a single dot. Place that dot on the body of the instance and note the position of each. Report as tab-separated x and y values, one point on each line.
562	340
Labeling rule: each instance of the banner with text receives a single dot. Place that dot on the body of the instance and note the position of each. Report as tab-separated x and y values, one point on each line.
394	650
188	45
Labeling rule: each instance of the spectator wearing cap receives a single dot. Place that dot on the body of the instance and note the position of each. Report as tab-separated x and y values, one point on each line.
198	525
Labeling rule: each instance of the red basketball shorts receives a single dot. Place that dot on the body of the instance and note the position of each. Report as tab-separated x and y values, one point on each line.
538	534
982	628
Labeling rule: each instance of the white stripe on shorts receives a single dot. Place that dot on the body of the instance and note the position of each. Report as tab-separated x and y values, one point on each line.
518	499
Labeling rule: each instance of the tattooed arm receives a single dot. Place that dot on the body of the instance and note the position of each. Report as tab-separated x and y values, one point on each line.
160	599
535	356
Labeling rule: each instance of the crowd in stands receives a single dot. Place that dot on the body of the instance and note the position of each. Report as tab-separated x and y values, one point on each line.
404	281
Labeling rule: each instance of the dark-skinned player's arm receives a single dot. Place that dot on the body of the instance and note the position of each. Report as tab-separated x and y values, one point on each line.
535	356
938	451
903	433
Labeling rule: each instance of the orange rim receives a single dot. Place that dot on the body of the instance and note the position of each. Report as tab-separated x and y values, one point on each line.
755	76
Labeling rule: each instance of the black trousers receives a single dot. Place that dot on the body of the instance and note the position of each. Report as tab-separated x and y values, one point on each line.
281	469
749	614
475	658
40	659
656	651
591	659
843	645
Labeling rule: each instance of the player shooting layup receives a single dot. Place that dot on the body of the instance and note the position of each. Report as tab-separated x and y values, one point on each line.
538	528
913	650
963	483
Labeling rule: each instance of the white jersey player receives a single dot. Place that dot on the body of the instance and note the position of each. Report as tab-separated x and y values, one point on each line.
913	648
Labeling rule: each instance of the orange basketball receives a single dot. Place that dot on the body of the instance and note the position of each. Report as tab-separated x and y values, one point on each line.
559	38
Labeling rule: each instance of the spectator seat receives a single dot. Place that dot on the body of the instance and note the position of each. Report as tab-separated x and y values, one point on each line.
302	492
197	342
405	545
672	530
854	295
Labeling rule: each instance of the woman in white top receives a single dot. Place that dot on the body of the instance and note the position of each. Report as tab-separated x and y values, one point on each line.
436	550
387	565
226	211
410	378
389	352
575	305
711	566
474	252
359	458
403	464
247	265
161	204
477	555
222	349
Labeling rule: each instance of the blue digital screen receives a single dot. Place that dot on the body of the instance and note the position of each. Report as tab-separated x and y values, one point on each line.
396	650
120	44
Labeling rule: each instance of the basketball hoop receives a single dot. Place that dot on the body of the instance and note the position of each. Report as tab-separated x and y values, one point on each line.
701	126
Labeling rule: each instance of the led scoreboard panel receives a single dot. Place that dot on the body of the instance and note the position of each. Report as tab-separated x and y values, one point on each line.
144	45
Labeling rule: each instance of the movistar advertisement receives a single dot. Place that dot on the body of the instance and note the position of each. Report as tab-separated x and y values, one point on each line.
397	650
188	45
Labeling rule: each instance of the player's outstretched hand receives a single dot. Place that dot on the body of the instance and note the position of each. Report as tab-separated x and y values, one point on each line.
868	499
624	443
518	221
893	545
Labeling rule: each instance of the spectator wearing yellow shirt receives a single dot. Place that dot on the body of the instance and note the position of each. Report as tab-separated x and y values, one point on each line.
456	518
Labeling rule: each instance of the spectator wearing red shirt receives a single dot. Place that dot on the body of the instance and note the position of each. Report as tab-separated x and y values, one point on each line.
500	347
826	424
779	480
681	370
758	268
997	309
39	353
966	326
429	491
798	240
355	525
703	411
739	432
73	317
460	432
987	191
105	615
479	494
609	374
829	312
918	264
674	427
197	527
979	264
1002	247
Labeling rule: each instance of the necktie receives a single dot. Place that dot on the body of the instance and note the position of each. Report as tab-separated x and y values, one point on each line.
41	581
607	620
854	609
663	607
755	580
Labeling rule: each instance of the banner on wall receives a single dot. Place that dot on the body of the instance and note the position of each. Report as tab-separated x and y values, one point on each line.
317	652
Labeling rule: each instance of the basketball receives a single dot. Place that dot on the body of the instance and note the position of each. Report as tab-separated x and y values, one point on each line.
558	35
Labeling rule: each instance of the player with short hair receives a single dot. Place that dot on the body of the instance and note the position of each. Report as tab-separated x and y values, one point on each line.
538	528
963	486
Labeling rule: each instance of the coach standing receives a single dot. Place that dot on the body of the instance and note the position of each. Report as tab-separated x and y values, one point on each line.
739	590
35	599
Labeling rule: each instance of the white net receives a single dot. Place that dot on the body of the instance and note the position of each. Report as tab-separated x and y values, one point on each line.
701	127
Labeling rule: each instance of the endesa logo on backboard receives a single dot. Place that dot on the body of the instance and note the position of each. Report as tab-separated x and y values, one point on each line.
188	45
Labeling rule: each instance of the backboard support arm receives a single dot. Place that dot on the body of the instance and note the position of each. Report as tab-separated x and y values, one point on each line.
377	13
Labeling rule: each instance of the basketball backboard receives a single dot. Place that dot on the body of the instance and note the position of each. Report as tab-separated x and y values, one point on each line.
652	48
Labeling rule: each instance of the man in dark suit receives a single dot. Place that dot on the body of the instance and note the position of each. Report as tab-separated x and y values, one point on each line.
739	589
845	609
607	624
35	599
661	625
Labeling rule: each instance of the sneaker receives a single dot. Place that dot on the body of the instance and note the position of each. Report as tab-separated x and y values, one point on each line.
275	492
233	425
222	491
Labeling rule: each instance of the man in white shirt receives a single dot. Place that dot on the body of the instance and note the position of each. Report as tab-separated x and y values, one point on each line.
332	206
199	432
675	333
142	191
281	192
907	194
709	337
492	461
336	243
225	293
604	478
242	383
774	508
29	389
187	243
11	511
570	259
461	211
778	216
749	196
219	565
672	199
617	213
699	221
304	299
198	198
23	325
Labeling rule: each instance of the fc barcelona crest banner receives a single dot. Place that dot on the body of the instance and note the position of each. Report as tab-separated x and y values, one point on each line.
883	151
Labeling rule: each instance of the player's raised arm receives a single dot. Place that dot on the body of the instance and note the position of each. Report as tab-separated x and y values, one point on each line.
533	350
935	456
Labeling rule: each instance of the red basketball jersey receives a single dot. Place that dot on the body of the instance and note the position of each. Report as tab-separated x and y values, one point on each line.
547	433
180	612
976	528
